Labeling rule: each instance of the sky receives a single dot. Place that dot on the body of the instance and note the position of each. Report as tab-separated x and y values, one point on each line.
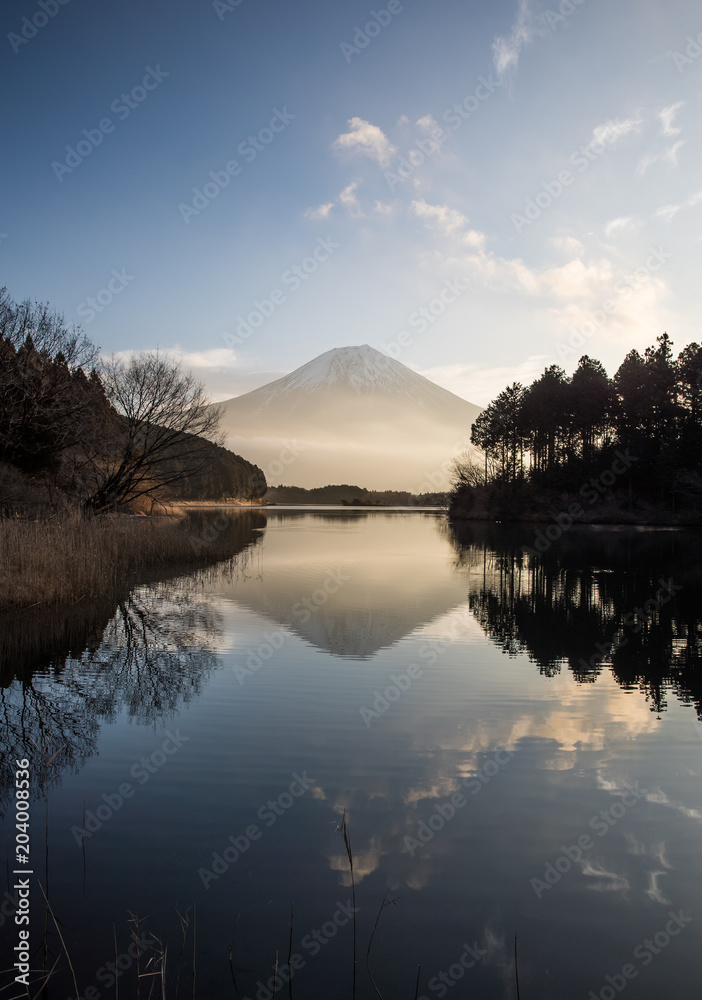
479	189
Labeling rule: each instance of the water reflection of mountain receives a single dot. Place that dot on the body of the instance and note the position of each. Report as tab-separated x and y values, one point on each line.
385	576
144	651
576	604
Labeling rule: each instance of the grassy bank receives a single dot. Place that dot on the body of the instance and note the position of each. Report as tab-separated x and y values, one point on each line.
64	562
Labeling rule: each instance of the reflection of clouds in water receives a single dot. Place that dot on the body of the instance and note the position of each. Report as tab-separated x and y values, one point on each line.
573	717
440	788
653	892
365	862
658	797
607	881
656	851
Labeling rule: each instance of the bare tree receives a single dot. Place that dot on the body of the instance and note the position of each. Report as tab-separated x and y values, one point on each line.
47	330
163	411
467	470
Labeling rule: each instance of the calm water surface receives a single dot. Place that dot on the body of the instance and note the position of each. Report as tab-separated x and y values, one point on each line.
516	750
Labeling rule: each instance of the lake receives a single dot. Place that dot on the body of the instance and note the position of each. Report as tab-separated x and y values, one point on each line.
510	738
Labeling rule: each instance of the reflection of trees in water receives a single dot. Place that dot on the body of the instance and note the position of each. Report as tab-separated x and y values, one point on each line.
155	654
567	605
48	727
145	654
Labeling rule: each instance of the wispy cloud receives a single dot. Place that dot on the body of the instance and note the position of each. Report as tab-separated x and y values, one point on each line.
647	160
619	225
610	132
567	245
365	139
672	154
448	221
668	212
349	199
507	49
320	212
480	385
667	117
564	293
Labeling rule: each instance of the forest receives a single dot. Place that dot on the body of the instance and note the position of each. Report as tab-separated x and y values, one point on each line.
629	445
79	432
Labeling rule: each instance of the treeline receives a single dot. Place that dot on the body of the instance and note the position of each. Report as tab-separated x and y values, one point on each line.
76	431
353	496
560	433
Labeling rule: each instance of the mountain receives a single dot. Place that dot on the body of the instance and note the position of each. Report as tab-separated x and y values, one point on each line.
351	415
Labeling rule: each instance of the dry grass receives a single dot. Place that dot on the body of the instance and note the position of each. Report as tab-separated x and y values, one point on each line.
63	562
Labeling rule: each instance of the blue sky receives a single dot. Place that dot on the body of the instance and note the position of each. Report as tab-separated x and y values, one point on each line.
557	214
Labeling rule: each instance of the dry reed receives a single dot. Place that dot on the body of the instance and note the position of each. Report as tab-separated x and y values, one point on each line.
46	563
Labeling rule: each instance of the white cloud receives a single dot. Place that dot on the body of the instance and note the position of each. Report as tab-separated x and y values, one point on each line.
667	117
215	357
320	212
565	295
672	154
647	160
619	225
349	200
448	221
367	140
506	50
382	208
220	368
481	385
610	132
568	245
668	212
